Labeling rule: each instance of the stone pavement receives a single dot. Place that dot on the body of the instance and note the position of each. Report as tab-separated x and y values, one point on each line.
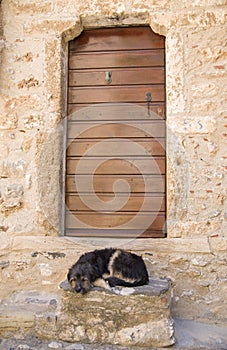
190	335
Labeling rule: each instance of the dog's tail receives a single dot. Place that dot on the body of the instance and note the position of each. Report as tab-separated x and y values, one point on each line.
114	281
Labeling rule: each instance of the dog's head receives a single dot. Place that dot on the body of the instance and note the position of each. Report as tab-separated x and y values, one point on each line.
80	277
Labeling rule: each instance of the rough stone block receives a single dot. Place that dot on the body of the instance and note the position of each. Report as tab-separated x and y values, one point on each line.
122	316
17	314
11	198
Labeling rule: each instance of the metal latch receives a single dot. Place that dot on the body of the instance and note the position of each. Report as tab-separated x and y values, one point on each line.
148	99
108	77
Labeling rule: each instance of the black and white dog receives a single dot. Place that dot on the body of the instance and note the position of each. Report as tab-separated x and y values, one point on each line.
107	268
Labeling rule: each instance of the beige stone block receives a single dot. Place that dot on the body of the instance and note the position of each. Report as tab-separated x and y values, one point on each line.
48	26
143	334
31	6
195	4
40	243
17	109
11	319
8	122
17	313
11	198
128	6
53	64
193	125
218	244
12	169
206	89
66	6
181	245
179	262
195	17
205	55
4	150
195	228
5	239
175	71
9	119
162	22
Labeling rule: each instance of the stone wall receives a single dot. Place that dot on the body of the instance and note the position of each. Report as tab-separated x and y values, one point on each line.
33	44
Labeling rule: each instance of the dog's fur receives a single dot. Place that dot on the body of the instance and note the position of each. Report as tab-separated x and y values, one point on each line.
107	268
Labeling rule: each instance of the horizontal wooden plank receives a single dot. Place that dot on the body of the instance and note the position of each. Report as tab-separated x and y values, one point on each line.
91	147
126	220
115	233
93	77
119	59
129	130
115	94
104	184
132	203
117	39
115	111
130	165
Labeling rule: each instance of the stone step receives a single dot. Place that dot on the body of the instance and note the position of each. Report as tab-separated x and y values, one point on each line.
133	317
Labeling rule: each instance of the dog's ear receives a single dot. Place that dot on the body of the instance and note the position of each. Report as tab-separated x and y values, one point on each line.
71	279
69	275
72	282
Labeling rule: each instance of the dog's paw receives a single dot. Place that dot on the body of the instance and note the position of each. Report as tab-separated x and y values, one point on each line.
110	284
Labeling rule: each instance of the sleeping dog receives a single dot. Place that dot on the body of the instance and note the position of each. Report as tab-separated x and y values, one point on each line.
107	268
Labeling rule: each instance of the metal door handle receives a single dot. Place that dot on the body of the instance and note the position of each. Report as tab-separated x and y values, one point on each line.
108	77
148	99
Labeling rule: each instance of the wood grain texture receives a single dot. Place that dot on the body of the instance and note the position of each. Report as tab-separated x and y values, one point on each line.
115	94
104	183
118	59
93	77
110	39
115	111
128	130
93	147
114	136
109	220
127	165
135	202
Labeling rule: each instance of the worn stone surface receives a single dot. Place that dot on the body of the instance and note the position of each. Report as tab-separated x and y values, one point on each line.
190	335
154	288
17	314
103	317
196	267
97	317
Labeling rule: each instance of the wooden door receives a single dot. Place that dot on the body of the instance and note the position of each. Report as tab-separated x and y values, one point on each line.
116	133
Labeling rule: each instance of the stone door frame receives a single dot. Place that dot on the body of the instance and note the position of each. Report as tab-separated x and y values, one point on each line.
176	176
